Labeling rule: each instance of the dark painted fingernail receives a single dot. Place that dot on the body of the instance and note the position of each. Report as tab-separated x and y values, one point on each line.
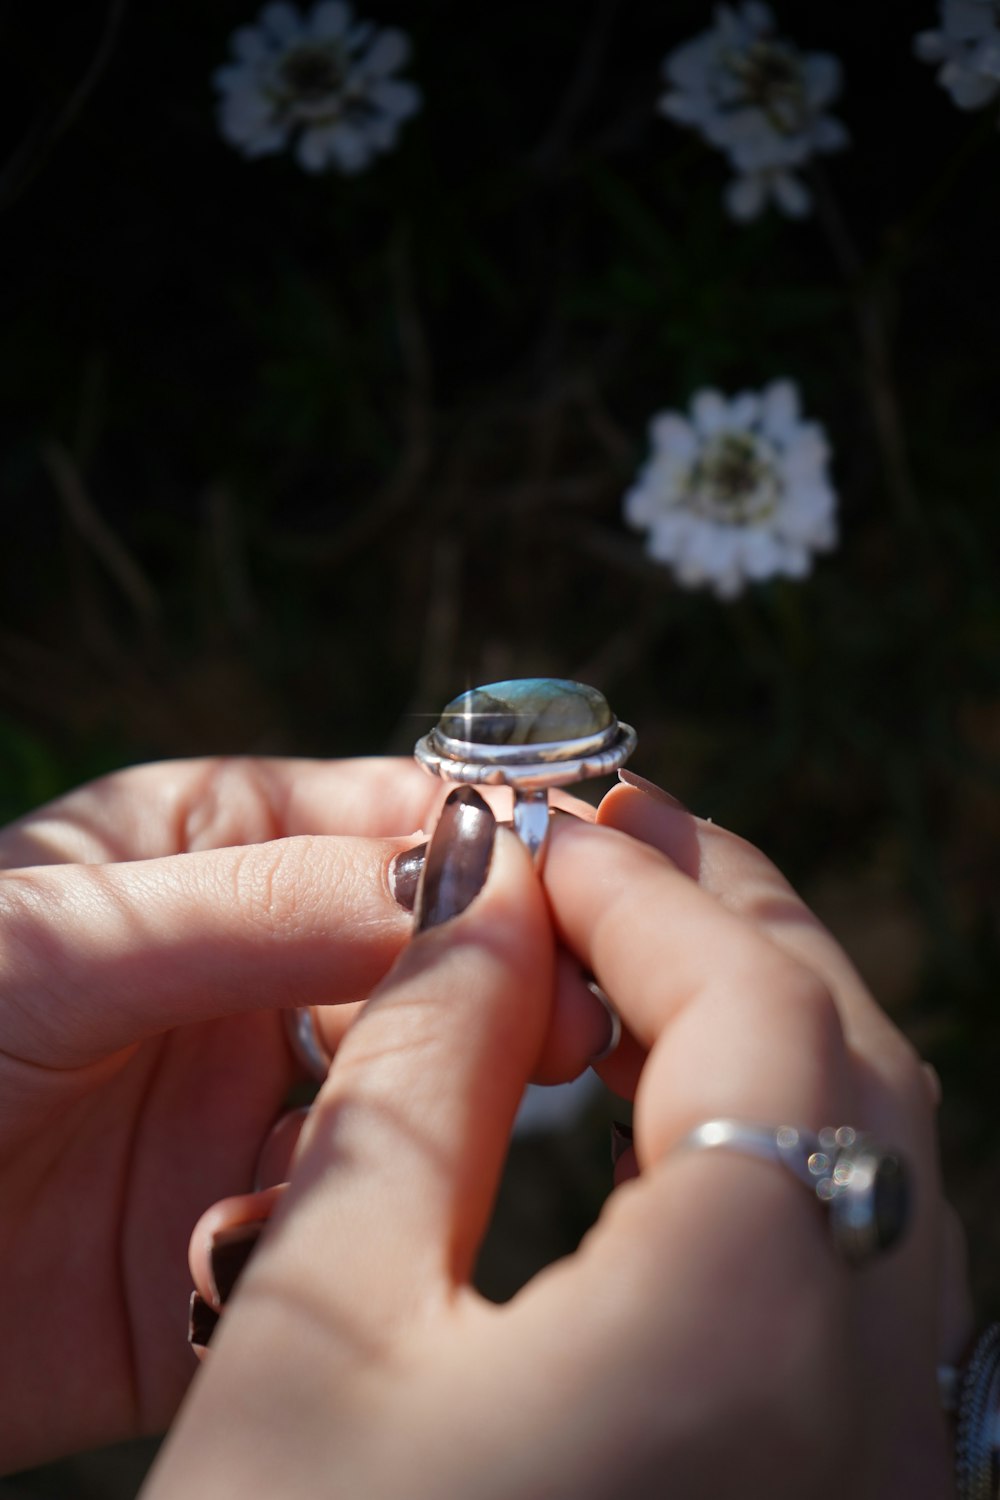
228	1253
202	1321
458	858
651	789
404	875
621	1140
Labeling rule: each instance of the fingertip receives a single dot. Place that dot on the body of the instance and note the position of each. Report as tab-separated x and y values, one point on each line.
654	817
580	1029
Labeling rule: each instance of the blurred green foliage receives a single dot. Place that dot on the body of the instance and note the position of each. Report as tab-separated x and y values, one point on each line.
287	461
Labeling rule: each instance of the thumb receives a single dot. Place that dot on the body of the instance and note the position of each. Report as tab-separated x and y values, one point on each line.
399	1163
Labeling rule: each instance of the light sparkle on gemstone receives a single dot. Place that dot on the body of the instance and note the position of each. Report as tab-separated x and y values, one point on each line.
526	711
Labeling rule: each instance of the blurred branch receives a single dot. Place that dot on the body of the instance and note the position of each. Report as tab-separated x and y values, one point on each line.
869	312
550	151
403	484
613	438
37	676
27	159
435	684
96	532
901	239
227	545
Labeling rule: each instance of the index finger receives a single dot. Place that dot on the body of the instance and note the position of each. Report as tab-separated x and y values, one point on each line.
215	802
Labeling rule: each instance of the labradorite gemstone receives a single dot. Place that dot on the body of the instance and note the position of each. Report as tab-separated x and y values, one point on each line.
526	711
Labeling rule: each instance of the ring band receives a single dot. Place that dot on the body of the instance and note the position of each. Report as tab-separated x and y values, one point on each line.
305	1041
614	1040
863	1187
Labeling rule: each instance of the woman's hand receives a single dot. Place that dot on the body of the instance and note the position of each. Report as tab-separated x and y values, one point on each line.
151	925
706	1339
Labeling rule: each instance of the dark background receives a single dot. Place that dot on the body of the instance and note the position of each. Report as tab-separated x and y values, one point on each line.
285	462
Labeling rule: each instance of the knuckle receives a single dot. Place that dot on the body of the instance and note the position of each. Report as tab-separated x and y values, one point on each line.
779	979
231	802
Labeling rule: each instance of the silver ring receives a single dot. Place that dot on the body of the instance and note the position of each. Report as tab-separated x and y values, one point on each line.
530	734
863	1187
614	1040
304	1039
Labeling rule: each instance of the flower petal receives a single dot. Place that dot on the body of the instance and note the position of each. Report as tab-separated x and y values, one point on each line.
245	114
329	21
967	90
791	195
709	412
758	17
822	75
349	148
249	44
931	46
233	77
267	142
744	409
668	537
690	65
968	20
745	197
398	98
780	411
686	109
313	150
670	433
389	52
282	20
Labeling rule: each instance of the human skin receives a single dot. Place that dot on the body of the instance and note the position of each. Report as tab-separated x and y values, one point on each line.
152	925
706	1338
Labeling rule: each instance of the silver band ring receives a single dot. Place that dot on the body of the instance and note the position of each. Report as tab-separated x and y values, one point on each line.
307	1046
863	1187
614	1040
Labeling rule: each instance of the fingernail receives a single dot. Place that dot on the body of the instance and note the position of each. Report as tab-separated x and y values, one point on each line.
202	1320
614	1023
621	1140
228	1252
458	858
651	789
404	875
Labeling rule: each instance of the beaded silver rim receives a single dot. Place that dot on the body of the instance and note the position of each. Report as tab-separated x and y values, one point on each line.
978	1408
505	765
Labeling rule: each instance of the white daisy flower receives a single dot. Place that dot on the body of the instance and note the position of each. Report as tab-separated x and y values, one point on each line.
967	47
322	80
757	98
736	492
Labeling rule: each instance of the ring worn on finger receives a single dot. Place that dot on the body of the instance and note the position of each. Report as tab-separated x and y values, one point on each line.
308	1047
864	1188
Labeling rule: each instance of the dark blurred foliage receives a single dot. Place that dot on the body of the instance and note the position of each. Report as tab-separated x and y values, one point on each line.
287	461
